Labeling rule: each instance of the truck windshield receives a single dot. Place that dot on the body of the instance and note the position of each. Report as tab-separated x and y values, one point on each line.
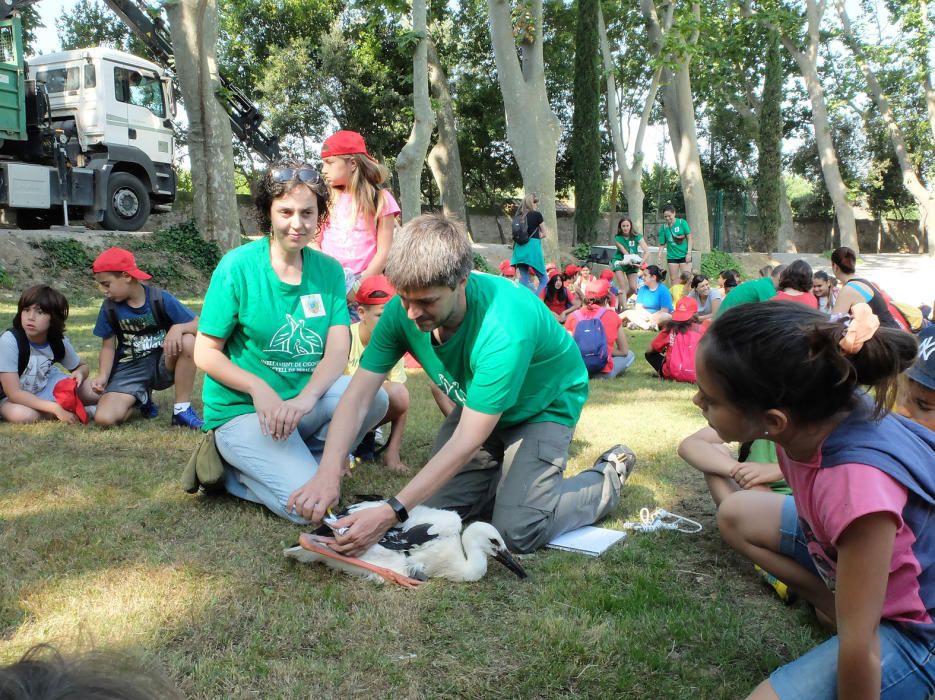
59	79
134	88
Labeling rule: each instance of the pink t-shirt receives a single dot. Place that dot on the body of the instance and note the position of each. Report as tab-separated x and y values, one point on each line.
353	243
611	322
829	500
807	298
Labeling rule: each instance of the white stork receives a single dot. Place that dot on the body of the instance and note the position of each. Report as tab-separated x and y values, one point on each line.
428	544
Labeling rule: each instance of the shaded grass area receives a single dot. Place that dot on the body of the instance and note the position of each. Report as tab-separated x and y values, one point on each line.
100	547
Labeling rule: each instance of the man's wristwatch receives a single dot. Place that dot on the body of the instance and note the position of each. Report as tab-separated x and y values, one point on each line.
402	515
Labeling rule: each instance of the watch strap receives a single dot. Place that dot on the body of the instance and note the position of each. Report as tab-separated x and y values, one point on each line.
402	515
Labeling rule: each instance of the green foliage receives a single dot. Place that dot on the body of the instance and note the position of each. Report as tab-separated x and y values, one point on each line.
581	251
524	22
186	241
769	166
64	254
90	23
6	280
713	262
586	135
481	264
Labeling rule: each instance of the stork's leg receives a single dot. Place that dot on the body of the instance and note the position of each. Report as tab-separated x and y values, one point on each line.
312	543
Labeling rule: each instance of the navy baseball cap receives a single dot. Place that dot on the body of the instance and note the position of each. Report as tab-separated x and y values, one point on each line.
923	371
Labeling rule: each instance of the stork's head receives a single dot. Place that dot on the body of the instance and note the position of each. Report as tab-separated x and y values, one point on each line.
487	539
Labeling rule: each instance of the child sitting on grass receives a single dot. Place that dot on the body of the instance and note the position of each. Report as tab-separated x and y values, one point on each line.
855	539
672	352
148	336
371	298
28	354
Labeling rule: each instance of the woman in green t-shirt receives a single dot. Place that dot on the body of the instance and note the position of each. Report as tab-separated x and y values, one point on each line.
629	243
273	341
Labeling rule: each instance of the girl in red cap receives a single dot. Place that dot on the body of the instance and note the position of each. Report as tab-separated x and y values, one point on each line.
359	228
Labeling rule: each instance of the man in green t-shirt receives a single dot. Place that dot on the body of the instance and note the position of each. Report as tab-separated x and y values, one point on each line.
517	379
675	238
760	289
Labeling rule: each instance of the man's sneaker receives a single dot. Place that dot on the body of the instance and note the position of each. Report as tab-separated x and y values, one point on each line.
149	409
621	458
188	419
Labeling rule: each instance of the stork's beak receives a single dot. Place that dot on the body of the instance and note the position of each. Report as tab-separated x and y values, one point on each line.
509	561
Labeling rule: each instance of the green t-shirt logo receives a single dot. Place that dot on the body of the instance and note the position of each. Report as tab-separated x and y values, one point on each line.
294	339
452	389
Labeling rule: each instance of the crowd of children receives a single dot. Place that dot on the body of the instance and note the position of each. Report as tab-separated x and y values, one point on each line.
829	492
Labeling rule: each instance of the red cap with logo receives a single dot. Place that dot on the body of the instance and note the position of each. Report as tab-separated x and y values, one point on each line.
685	309
571	270
119	260
374	291
345	143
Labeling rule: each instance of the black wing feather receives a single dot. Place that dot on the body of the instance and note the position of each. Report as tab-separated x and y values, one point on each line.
399	540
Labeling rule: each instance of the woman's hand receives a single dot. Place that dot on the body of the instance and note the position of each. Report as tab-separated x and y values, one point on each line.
363	529
313	499
267	404
289	414
751	474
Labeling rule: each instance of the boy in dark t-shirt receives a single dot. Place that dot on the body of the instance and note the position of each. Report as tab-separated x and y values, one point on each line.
141	354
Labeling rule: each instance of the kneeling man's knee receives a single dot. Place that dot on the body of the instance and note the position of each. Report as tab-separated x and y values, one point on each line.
524	530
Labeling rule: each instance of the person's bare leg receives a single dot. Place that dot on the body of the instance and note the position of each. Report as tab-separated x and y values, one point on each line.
113	409
19	414
184	368
673	273
764	691
750	522
396	416
633	279
87	395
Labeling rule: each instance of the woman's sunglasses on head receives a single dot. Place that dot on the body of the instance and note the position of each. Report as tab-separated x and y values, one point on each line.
309	176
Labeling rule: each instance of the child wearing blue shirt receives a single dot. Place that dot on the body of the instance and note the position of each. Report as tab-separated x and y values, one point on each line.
148	337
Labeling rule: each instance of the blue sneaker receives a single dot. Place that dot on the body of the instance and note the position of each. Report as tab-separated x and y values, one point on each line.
188	419
149	409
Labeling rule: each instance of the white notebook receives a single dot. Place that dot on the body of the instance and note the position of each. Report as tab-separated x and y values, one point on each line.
590	540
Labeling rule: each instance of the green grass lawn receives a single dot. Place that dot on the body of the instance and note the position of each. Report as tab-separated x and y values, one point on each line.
100	547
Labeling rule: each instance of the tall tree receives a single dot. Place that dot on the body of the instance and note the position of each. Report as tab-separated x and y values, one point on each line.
629	153
411	158
586	135
677	46
769	163
445	156
194	28
804	49
532	128
925	197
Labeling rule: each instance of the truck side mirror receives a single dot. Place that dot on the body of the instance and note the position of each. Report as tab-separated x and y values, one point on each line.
170	95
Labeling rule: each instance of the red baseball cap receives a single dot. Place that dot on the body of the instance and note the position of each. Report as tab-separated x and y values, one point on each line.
554	273
509	271
550	266
607	275
597	288
374	291
345	143
504	264
66	396
119	260
571	270
685	309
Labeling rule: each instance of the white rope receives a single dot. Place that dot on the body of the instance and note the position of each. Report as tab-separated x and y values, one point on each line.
660	519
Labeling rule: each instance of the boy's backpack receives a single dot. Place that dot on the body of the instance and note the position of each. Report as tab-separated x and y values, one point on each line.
680	356
591	340
22	347
520	230
156	303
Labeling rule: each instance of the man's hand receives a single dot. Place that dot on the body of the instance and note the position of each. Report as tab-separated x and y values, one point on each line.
98	384
364	528
750	474
313	499
172	345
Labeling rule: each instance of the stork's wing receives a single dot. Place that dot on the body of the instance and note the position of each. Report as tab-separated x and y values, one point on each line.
399	540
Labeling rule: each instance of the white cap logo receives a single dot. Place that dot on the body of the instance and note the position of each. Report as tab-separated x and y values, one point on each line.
927	348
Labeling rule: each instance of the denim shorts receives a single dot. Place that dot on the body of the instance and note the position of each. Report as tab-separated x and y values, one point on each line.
908	670
792	537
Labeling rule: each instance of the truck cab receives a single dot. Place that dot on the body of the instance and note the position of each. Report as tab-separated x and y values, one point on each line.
107	142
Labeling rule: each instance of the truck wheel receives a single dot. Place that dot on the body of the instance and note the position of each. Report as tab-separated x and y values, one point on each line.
127	203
